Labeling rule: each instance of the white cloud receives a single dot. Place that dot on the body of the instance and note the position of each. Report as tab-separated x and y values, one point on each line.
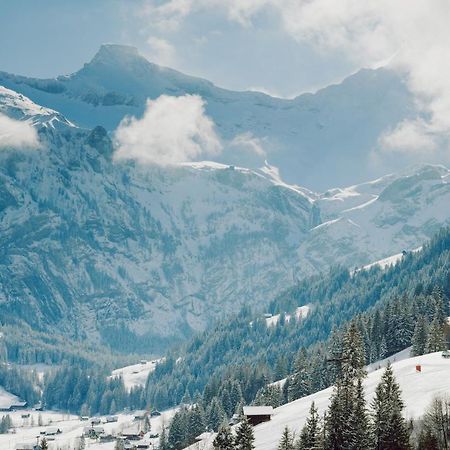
17	134
172	130
249	142
161	51
412	34
409	136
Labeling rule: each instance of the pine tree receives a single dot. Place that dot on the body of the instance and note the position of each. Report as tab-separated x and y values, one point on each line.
419	339
390	428
359	437
335	422
436	340
177	432
216	415
353	357
163	442
224	439
44	444
287	440
244	436
300	384
311	435
197	421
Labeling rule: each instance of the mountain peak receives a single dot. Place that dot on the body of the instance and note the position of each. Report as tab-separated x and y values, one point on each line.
114	53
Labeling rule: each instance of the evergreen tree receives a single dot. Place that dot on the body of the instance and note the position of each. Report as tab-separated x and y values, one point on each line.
299	383
390	428
335	422
163	441
244	436
177	432
287	440
197	421
224	439
44	444
419	339
359	426
311	435
216	414
436	340
5	424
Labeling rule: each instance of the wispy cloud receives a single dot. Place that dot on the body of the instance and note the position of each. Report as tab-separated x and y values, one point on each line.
413	36
17	134
248	142
172	130
161	51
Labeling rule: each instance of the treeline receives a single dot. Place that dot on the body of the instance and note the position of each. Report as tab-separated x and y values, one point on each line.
397	298
89	392
21	383
20	344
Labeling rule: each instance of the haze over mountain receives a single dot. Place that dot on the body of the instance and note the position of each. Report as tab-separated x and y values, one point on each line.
321	140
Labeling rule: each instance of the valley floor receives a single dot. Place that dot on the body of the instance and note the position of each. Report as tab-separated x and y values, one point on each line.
72	428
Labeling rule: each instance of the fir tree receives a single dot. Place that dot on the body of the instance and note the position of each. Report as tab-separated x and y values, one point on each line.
300	384
359	437
224	439
419	339
436	340
335	422
311	435
163	441
390	428
216	414
287	440
244	436
44	444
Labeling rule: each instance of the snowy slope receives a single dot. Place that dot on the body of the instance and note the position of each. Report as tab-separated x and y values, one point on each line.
300	313
17	106
367	223
136	374
311	138
418	389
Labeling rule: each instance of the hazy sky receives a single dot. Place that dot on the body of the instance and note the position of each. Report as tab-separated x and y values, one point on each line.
46	38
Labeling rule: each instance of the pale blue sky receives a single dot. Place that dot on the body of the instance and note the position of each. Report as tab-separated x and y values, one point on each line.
46	38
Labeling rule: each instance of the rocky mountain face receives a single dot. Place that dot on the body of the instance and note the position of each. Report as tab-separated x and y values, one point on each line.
317	140
95	248
139	256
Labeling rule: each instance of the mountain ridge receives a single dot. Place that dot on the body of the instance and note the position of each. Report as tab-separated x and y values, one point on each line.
311	138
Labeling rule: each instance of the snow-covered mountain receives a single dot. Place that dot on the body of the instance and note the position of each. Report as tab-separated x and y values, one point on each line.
162	251
317	140
138	255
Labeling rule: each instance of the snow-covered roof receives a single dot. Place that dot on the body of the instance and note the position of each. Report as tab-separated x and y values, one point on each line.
258	410
8	400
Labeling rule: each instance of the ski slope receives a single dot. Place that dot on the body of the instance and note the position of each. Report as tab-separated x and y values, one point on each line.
418	389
